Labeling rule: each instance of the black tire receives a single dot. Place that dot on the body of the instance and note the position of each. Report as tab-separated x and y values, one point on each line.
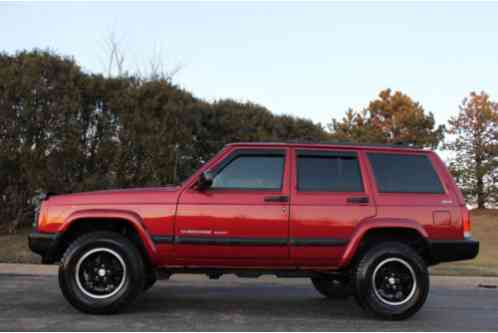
150	279
391	281
120	260
332	288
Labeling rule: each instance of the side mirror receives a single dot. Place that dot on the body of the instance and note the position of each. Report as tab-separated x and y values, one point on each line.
205	181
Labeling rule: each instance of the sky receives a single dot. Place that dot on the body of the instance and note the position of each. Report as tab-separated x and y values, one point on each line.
313	60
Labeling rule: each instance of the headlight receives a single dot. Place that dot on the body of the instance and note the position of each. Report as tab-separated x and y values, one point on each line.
37	203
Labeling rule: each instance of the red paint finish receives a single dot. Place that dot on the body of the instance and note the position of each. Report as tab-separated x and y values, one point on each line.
321	215
377	223
239	228
240	214
149	211
420	207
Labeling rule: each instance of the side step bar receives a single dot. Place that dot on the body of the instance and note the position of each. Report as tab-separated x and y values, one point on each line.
216	273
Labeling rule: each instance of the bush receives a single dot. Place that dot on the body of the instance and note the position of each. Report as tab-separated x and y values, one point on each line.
63	130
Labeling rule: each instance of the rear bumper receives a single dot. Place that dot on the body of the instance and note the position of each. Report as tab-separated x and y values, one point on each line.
454	250
44	244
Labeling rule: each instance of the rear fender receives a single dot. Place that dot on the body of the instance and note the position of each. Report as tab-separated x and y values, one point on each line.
377	223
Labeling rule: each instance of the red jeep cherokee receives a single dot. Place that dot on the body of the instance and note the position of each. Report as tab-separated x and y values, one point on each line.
357	220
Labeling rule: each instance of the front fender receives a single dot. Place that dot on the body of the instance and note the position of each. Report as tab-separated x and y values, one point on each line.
131	217
377	223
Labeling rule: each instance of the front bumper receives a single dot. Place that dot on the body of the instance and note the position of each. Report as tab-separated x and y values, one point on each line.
454	250
44	244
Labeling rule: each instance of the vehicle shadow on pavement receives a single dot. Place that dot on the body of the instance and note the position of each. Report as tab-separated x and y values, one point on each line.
251	300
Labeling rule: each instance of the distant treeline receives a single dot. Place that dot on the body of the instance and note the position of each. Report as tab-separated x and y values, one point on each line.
65	130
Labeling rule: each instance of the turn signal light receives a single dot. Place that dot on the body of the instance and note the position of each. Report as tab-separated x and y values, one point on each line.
466	222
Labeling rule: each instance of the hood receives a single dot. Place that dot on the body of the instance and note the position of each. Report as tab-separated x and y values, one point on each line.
146	195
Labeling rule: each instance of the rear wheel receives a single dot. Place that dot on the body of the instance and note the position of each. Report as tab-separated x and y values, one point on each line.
101	272
391	281
333	288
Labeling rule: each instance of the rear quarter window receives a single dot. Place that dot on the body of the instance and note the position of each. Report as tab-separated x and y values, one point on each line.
398	173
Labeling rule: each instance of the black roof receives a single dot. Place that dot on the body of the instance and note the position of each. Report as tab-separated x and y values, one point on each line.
399	145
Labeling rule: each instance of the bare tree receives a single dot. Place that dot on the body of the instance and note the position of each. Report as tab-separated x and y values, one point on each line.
156	69
115	56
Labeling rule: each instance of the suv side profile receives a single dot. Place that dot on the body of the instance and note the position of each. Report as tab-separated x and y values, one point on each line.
358	220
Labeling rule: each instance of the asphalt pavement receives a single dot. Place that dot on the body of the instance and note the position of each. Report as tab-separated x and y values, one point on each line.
185	302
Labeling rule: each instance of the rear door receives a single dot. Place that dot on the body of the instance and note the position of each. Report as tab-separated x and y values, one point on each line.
329	196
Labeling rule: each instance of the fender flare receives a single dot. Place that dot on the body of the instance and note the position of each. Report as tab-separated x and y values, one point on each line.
131	217
377	223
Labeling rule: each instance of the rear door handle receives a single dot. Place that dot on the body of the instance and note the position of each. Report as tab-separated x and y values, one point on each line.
357	200
277	198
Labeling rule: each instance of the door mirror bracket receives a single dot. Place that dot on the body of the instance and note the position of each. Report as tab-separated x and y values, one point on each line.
205	181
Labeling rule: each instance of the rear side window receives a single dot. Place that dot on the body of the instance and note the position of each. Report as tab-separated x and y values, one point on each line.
251	172
328	172
404	173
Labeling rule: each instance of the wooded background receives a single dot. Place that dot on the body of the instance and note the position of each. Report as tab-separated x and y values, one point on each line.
66	130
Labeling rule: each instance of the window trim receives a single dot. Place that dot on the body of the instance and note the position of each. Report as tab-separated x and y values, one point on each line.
376	182
328	153
250	152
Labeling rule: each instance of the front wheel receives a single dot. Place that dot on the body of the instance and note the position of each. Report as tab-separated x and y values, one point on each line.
391	281
150	279
101	272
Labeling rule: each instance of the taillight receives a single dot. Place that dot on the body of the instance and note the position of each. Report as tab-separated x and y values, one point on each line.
466	222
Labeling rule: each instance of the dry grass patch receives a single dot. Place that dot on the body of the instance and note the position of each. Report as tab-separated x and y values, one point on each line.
14	248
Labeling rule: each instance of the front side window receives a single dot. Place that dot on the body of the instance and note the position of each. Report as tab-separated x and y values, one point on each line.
264	171
328	172
396	173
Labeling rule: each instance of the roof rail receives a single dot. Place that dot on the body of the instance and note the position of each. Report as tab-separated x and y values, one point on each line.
404	144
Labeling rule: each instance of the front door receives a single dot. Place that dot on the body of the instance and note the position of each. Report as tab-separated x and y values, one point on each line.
243	215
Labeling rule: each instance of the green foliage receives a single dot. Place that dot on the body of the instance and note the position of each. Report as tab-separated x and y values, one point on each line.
474	133
391	118
64	130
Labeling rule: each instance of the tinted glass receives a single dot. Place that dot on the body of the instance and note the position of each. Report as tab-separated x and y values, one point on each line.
251	172
328	172
404	173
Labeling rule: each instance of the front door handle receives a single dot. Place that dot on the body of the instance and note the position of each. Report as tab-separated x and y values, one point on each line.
277	198
358	200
